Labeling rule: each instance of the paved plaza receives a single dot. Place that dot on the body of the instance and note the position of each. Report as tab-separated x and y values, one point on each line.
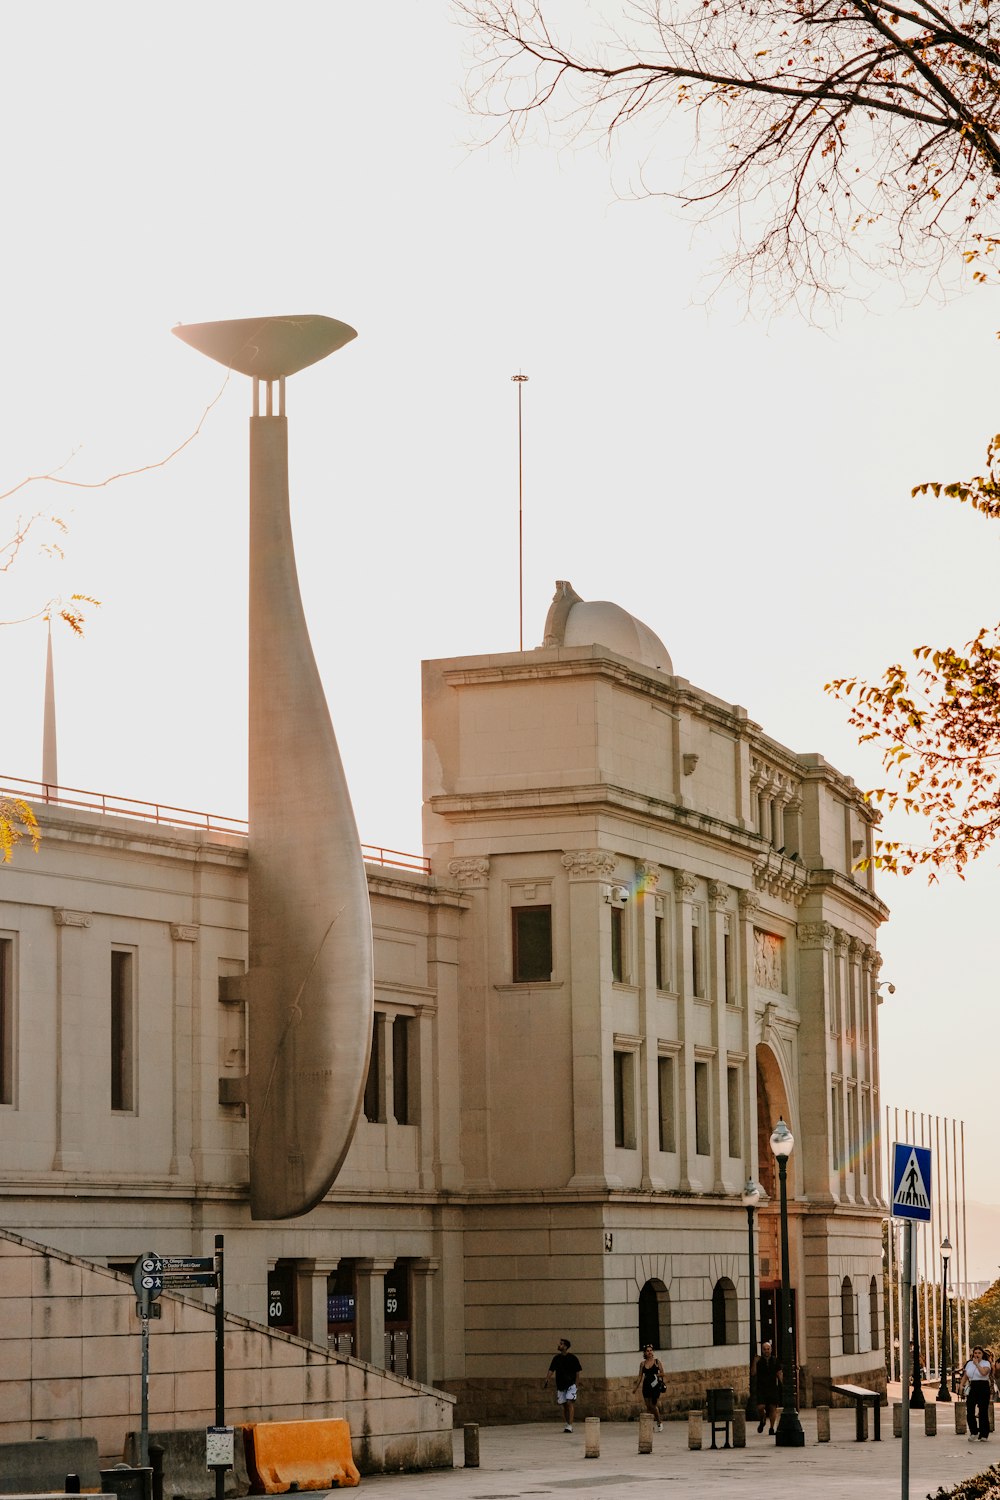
540	1459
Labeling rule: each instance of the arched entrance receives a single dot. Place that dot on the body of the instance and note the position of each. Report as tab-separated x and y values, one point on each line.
772	1105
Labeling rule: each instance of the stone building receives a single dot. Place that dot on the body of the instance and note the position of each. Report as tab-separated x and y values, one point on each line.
635	937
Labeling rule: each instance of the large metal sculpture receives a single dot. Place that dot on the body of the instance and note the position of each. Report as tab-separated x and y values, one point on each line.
309	981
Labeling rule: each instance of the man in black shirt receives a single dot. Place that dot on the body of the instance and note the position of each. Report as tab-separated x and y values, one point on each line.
563	1372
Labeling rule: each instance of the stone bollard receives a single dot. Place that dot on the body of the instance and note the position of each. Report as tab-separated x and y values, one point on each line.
694	1428
822	1424
592	1433
471	1434
897	1419
930	1420
646	1432
739	1428
961	1419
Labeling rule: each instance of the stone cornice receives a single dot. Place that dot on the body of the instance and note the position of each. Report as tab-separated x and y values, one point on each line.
785	879
589	864
815	935
65	918
473	871
718	894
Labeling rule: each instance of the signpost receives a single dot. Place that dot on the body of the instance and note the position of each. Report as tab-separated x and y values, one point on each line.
153	1274
911	1201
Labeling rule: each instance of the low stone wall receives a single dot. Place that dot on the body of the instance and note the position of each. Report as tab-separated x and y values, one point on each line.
497	1402
70	1346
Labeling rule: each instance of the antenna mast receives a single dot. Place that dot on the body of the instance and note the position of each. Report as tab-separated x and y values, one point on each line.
520	381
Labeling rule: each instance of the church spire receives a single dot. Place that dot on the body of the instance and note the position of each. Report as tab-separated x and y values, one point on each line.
50	765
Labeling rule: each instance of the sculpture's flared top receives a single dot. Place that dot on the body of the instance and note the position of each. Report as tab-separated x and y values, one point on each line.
268	348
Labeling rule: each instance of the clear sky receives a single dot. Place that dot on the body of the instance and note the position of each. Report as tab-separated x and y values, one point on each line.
739	481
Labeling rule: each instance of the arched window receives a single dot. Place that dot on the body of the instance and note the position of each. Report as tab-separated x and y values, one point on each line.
654	1315
725	1313
873	1310
847	1329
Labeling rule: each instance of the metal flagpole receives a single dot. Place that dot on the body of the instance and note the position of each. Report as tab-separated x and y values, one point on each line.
520	381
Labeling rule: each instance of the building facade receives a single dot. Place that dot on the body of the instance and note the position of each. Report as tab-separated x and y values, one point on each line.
636	937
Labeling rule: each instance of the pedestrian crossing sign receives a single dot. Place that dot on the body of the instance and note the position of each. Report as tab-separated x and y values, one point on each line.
911	1182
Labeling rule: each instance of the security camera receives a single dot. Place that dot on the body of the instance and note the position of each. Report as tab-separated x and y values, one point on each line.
619	893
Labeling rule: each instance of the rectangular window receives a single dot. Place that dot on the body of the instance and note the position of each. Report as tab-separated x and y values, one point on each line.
733	1101
665	1091
837	1133
531	928
617	944
6	1021
402	1043
727	962
624	1082
696	975
122	1029
661	967
702	1123
374	1105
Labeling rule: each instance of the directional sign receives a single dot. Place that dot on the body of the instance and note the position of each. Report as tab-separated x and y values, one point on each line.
911	1182
188	1264
147	1275
175	1281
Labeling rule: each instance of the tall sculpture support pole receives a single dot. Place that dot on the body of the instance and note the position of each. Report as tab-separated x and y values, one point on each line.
310	982
302	1090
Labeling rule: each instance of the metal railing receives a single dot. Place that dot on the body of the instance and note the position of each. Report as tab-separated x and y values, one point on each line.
174	817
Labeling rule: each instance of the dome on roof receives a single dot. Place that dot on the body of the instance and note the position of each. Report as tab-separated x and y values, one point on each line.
573	621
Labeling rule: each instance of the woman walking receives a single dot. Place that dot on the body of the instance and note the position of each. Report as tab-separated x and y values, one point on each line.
977	1383
652	1380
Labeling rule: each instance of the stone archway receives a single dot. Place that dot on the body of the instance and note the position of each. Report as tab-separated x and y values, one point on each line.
772	1105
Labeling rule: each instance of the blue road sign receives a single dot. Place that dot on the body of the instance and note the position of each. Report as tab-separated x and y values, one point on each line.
911	1182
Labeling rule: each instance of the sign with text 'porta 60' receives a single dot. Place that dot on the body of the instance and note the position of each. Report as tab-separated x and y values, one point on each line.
911	1182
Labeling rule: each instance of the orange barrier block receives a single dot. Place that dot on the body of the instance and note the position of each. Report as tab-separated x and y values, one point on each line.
308	1455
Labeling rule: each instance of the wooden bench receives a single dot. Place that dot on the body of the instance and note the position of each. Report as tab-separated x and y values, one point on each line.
862	1397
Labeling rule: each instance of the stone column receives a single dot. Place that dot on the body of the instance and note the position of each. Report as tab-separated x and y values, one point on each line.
743	954
648	1060
423	1342
370	1281
815	958
69	1030
311	1299
185	1003
685	886
718	896
472	874
590	946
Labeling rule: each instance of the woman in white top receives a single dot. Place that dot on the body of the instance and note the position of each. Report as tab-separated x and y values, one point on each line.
977	1383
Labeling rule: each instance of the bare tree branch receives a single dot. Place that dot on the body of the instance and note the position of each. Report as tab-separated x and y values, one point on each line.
832	127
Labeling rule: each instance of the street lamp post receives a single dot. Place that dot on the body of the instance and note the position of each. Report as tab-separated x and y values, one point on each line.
917	1399
752	1195
789	1433
952	1301
943	1392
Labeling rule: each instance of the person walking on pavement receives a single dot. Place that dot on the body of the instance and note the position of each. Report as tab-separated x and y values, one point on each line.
768	1386
977	1382
563	1373
652	1380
